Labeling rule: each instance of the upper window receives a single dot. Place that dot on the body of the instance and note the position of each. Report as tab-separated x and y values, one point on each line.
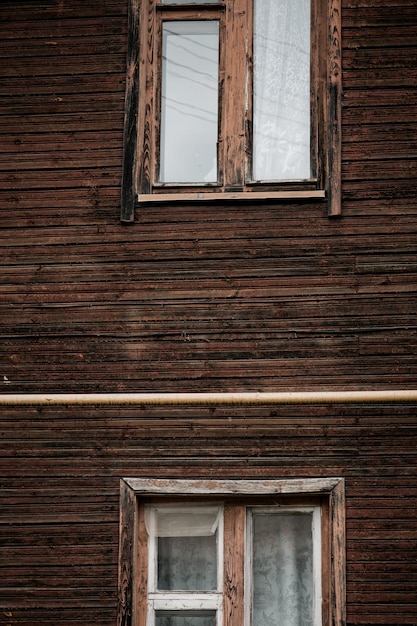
232	553
232	99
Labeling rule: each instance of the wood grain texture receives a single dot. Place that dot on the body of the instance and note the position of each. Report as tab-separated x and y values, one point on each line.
334	115
127	555
128	195
234	565
265	295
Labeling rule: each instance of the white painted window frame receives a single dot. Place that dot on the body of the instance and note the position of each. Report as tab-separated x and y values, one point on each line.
182	600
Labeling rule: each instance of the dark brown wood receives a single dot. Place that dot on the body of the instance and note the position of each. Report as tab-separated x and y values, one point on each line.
255	295
234	48
127	547
338	554
334	104
234	565
128	198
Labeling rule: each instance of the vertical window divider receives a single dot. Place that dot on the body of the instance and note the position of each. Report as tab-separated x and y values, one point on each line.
232	144
334	100
234	564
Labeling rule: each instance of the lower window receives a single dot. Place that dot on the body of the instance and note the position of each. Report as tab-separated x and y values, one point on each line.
231	553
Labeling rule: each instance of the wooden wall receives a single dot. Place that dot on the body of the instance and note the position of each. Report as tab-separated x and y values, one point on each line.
196	298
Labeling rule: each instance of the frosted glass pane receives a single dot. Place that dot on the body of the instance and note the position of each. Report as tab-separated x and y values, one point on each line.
184	618
281	84
187	563
187	521
283	570
187	547
189	108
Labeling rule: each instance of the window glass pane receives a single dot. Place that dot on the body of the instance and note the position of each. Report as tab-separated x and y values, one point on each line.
185	618
187	548
187	563
189	108
282	569
281	90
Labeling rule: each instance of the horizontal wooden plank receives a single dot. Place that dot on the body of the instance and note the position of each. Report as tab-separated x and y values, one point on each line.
382	114
381	4
61	104
215	290
79	555
70	9
91	121
403	35
272	296
108	41
85	64
49	87
363	13
48	578
377	57
31	28
381	151
57	160
264	238
376	99
19	144
64	615
381	169
380	189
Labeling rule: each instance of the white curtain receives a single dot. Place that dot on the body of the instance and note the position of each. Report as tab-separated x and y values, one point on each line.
282	585
281	123
186	539
187	547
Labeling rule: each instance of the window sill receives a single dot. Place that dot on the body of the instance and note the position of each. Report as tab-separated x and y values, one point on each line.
231	195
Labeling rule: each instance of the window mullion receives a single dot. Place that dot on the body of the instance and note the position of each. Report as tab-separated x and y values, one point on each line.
233	94
234	564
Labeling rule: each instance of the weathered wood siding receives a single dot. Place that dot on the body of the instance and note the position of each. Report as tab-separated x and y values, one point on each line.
197	298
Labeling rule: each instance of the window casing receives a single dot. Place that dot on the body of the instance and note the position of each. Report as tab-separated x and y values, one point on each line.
206	549
203	124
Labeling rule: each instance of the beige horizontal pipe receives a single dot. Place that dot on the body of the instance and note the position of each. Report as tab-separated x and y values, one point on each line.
248	398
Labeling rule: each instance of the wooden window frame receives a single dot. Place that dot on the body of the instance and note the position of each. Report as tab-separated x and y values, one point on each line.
141	111
180	600
237	496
